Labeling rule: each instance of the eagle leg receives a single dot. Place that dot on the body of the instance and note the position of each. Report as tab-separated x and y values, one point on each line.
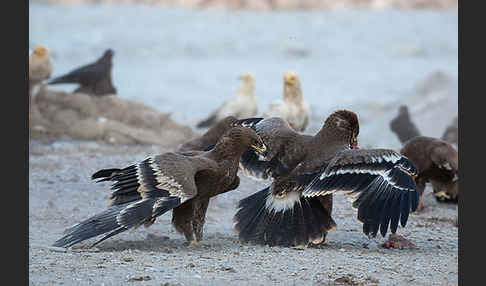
199	218
182	220
421	187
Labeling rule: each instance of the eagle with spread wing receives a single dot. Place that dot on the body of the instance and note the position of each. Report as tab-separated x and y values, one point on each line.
308	170
93	78
179	181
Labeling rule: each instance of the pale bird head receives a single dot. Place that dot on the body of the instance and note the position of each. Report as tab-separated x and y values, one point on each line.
40	51
247	78
248	83
291	78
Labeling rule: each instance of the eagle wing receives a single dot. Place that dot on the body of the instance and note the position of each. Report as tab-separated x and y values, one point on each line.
382	180
141	192
276	133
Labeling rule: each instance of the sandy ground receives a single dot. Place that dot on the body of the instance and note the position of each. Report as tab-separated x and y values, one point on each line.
61	194
408	58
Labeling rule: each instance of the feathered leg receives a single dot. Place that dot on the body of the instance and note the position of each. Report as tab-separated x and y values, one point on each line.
326	202
421	187
200	208
182	220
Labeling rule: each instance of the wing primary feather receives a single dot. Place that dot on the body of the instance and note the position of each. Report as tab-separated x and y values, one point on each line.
405	208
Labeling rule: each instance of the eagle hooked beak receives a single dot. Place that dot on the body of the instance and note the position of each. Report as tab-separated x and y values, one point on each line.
262	151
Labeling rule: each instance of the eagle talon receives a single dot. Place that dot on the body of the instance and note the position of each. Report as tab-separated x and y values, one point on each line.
194	244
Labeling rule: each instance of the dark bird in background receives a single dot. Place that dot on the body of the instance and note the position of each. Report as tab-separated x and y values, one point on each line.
94	78
403	126
183	182
438	163
451	133
307	170
207	141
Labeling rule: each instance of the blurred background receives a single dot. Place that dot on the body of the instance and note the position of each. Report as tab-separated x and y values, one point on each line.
184	57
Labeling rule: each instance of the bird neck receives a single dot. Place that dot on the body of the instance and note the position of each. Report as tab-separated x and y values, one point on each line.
214	133
227	149
247	89
293	94
329	136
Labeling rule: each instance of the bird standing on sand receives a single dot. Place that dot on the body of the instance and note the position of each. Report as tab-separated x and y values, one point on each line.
293	107
94	78
403	126
243	105
307	170
182	182
40	66
438	163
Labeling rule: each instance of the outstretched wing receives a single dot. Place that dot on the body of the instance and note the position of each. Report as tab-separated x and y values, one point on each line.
381	179
141	193
276	134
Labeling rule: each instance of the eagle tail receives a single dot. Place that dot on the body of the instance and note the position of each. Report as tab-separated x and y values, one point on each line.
293	220
117	219
98	224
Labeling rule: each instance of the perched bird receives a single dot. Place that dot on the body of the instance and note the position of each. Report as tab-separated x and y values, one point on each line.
438	163
243	105
94	78
40	66
451	133
293	107
307	170
403	126
209	138
183	182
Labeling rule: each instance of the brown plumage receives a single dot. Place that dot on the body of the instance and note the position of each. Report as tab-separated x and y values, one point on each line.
307	170
183	182
209	138
94	78
293	108
403	126
438	163
451	133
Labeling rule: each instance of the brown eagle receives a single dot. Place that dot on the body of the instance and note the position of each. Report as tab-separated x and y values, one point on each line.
437	162
307	170
183	182
403	126
93	78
